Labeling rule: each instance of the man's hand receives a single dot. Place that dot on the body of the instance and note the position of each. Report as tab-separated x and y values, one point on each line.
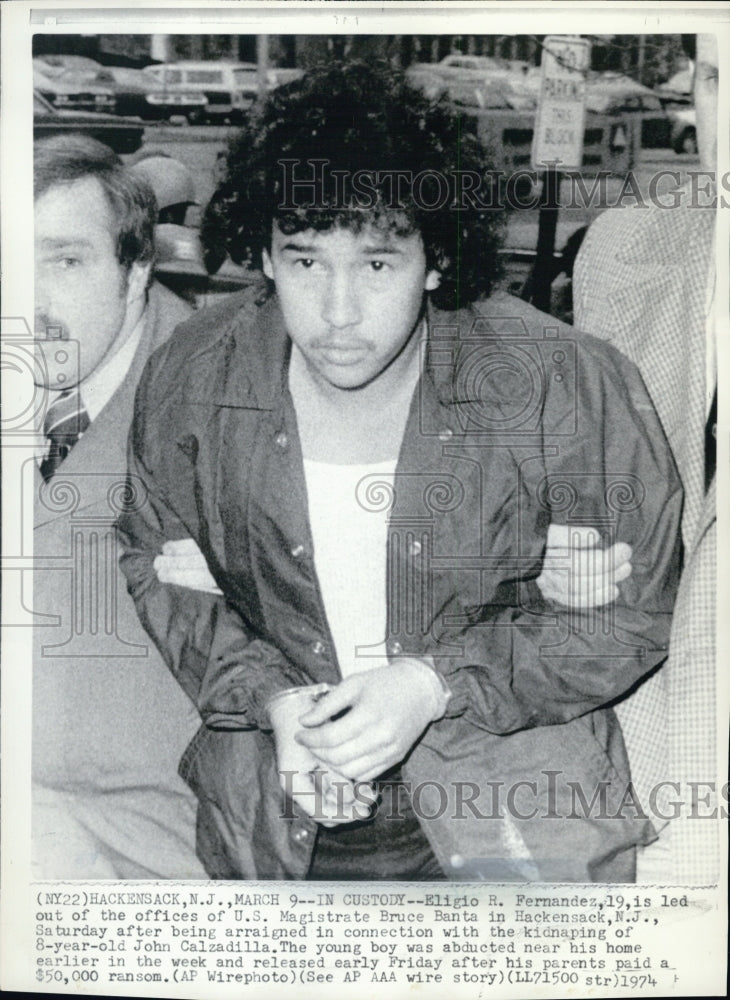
318	790
183	564
386	711
578	574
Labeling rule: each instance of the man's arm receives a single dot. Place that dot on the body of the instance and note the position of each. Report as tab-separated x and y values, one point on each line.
183	563
228	671
527	661
577	571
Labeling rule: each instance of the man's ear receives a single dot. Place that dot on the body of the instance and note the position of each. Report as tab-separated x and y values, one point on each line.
266	260
433	280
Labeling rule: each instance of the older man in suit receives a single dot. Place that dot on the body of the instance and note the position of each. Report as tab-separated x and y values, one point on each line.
644	280
109	723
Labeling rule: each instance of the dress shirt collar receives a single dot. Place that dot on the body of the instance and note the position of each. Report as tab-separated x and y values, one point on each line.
96	391
100	386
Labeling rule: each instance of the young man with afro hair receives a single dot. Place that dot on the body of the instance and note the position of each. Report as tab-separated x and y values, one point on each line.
369	450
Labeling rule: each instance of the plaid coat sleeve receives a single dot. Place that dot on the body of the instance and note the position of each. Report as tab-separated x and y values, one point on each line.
640	282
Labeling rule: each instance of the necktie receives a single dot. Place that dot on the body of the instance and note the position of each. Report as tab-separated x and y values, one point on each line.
65	422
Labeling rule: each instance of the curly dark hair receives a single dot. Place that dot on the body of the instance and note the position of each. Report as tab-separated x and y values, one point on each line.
366	122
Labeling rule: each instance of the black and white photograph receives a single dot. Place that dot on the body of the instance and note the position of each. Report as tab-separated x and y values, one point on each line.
361	456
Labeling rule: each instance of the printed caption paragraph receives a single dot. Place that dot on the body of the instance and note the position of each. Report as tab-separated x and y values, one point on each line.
465	941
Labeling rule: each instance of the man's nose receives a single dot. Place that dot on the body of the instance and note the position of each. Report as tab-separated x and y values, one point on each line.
341	306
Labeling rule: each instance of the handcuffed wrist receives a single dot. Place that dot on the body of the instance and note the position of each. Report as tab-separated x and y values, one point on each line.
441	690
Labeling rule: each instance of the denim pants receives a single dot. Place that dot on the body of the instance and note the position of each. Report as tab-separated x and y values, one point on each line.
389	846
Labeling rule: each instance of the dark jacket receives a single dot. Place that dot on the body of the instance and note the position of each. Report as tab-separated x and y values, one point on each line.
516	422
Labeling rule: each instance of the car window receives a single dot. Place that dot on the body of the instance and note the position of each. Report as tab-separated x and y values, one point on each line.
246	76
204	76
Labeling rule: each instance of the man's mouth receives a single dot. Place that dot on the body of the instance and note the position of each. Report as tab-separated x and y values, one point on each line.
339	353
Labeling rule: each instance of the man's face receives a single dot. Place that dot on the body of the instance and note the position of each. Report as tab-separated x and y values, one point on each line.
705	93
82	293
351	301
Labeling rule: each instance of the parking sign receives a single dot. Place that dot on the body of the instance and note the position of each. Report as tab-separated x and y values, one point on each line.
560	120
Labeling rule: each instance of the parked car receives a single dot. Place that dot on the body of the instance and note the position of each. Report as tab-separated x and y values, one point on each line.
230	87
120	134
470	87
434	78
139	93
64	89
617	94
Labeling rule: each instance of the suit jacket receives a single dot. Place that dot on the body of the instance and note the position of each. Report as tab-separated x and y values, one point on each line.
109	723
641	281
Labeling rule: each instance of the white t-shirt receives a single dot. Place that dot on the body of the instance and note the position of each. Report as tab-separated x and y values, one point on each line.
348	513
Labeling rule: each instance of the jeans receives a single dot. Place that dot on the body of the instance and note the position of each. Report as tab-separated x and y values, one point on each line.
389	846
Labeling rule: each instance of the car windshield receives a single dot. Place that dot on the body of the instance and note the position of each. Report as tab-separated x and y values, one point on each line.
54	63
40	74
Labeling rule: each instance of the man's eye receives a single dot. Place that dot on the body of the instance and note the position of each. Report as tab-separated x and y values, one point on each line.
377	265
68	263
305	262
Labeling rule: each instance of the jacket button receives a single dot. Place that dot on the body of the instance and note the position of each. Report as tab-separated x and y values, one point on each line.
281	440
318	648
297	551
446	434
301	835
414	548
395	648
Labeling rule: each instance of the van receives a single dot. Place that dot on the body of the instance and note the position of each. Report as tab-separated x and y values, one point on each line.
230	87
